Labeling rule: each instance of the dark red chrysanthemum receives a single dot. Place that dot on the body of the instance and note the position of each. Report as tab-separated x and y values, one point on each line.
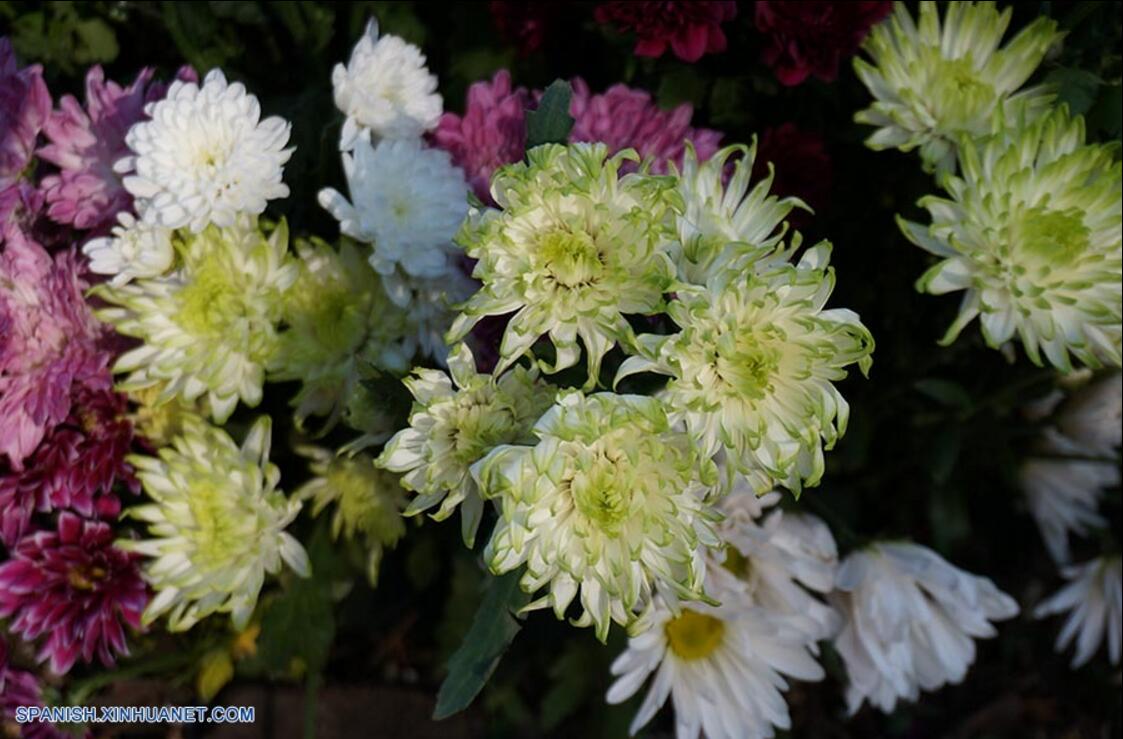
526	24
690	28
802	167
21	688
811	38
75	466
75	589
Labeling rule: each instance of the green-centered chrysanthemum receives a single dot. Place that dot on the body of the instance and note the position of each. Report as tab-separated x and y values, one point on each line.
574	248
217	525
933	83
609	503
368	501
1031	232
339	327
451	428
726	225
209	327
753	367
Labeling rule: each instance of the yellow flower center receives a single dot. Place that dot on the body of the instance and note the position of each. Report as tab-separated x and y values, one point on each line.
1052	235
216	531
747	363
961	95
571	258
85	577
694	635
737	563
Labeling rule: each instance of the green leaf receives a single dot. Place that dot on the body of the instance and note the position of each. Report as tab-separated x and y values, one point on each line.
96	41
551	122
683	85
1107	114
944	392
299	625
492	631
1076	87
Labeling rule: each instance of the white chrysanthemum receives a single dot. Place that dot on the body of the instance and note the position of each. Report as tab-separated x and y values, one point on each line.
1094	600
432	308
1032	233
406	202
210	327
575	248
135	249
385	88
909	621
205	156
778	559
722	224
452	428
608	503
217	523
1063	488
753	368
935	84
368	501
724	668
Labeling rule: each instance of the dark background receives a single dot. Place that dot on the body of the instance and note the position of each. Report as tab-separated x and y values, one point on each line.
934	443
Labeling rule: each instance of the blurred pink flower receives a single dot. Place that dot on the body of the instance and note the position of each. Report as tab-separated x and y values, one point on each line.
85	143
25	105
21	688
491	133
20	204
691	28
49	341
624	117
811	37
75	588
526	24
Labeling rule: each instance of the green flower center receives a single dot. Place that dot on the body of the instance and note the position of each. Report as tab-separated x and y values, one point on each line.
571	258
1056	236
482	422
694	635
211	301
216	533
747	364
958	93
603	491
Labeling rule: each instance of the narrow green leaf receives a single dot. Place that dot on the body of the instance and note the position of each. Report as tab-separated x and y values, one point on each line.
551	122
491	633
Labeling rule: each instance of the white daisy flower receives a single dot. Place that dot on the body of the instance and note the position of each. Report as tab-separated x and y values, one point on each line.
385	88
1063	491
779	558
1094	600
205	156
909	620
135	249
407	202
724	668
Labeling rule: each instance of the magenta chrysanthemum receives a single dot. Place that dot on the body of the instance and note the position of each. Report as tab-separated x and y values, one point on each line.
811	38
691	28
48	343
25	105
74	467
21	688
491	133
85	143
75	589
623	118
20	204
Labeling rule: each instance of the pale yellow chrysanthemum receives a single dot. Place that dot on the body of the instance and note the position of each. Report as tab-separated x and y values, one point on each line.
217	525
609	504
210	327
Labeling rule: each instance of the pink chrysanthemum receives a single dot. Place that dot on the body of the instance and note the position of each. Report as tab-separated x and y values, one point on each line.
85	143
75	589
20	204
75	466
491	133
25	105
623	117
48	343
811	37
691	28
21	688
